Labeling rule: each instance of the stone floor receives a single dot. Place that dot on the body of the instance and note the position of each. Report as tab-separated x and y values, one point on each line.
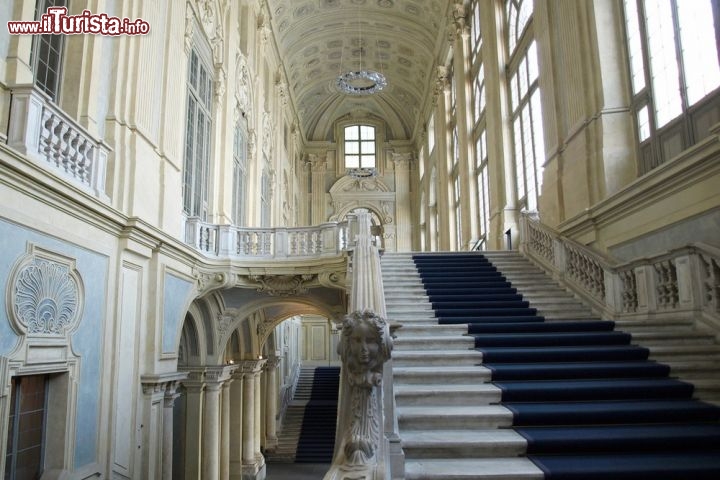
296	471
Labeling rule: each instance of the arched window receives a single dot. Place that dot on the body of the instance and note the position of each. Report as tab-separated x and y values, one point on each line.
479	125
673	54
526	117
360	146
198	132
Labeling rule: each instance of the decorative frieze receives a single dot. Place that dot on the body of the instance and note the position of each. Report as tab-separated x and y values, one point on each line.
282	285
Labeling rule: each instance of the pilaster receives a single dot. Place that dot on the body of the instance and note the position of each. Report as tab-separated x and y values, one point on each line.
403	218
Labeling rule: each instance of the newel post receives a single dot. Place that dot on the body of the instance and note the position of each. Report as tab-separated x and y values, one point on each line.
362	447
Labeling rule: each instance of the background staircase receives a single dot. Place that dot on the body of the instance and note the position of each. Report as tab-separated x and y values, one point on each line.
456	404
308	432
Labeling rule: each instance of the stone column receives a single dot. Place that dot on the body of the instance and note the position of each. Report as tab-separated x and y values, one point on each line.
252	466
403	220
258	417
443	153
463	118
236	426
271	400
167	453
225	431
211	433
194	388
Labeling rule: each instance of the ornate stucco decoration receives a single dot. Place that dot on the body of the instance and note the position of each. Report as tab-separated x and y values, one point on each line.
267	134
208	281
282	285
45	295
365	345
209	14
243	86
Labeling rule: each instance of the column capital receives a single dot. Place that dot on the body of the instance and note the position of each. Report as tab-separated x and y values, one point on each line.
272	363
402	160
251	367
165	383
317	162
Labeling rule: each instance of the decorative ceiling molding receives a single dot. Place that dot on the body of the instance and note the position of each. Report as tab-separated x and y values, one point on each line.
318	40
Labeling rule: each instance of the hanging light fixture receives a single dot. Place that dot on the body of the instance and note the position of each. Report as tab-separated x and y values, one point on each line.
360	81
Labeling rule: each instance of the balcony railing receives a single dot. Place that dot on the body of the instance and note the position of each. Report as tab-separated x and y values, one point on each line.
685	280
229	241
48	136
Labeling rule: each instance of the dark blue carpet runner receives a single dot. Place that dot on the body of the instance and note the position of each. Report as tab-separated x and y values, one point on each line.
589	402
317	437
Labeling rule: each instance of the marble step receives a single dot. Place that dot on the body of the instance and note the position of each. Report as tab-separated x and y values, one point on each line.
434	343
454	375
407	358
458	417
462	443
446	395
510	468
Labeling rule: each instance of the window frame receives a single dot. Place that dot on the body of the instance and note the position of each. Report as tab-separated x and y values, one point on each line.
525	109
197	164
656	143
54	57
360	141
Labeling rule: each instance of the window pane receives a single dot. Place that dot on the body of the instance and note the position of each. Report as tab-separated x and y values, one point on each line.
352	161
643	120
532	60
663	60
352	133
699	48
368	161
632	25
367	147
367	133
514	91
352	148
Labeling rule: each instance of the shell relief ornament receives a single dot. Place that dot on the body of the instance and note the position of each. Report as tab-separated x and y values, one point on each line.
45	295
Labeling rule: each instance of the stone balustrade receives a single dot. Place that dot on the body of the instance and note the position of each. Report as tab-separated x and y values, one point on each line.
228	241
681	281
43	132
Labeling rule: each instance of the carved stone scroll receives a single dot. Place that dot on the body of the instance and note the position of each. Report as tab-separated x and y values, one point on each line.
365	346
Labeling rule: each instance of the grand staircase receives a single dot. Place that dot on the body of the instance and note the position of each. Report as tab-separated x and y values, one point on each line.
500	373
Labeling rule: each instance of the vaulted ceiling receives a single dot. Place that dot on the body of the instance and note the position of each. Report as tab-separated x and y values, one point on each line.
320	39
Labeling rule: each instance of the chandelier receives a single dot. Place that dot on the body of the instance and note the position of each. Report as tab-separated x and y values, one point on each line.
361	81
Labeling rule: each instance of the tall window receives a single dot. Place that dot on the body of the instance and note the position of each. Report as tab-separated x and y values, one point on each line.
528	142
47	53
479	125
360	146
673	52
198	130
239	173
26	428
